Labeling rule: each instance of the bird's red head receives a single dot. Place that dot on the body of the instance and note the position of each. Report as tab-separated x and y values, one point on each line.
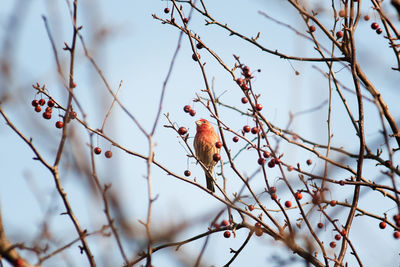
203	124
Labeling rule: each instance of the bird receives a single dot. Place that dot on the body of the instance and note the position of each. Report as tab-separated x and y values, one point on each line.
205	147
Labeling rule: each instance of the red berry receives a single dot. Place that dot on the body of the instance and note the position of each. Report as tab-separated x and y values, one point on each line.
309	162
366	17
259	232
187	108
19	262
235	139
108	154
259	107
47	115
218	144
239	81
245	100
185	20
59	124
341	182
288	204
251	207
320	225
35	103
333	203
379	31
266	154
312	28
339	34
338	237
38	109
343	232
199	45
388	163
246	69
382	225
396	234
42	102
49	110
374	25
224	223
192	112
97	150
216	157
298	195
166	10
257	225
332	244
342	13
245	87
187	173
254	130
182	130
227	234
246	128
216	225
50	103
396	217
272	189
271	163
290	168
274	197
277	160
72	115
261	161
196	57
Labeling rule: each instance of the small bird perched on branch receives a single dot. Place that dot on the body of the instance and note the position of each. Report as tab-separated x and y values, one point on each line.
206	149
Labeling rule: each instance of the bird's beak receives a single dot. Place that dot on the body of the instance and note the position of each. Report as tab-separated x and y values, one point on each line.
198	123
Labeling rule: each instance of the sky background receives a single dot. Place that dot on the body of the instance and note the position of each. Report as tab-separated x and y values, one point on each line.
131	46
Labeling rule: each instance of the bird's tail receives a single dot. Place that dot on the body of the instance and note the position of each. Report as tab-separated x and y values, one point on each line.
210	181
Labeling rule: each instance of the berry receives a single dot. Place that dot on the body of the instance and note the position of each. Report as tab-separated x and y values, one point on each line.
182	130
274	197
396	234
320	225
185	20
309	162
218	144
187	108
235	139
246	69
259	107
50	103
192	112
272	189
366	17
38	109
298	195
245	87
49	110
312	28
257	225
290	168
216	157
382	225
271	163
59	124
379	31
35	103
245	100
166	10
339	34
199	45
342	13
19	262
42	102
251	207
277	160
261	161
224	223
97	150
187	173
47	115
341	182
196	57
388	163
259	232
239	81
338	237
216	225
396	217
227	234
374	25
333	203
108	154
332	244
266	154
343	232
288	204
246	128
72	115
254	130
